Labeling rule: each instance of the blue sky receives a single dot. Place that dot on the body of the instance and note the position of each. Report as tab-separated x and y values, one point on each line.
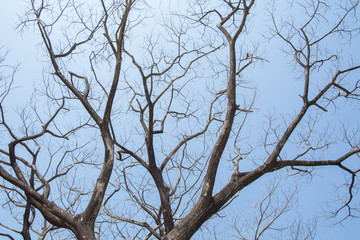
277	92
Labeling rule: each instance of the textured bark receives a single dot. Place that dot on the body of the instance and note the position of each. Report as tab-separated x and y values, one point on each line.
207	207
84	232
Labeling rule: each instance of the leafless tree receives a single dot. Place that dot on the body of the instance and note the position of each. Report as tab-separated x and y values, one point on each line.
263	219
140	112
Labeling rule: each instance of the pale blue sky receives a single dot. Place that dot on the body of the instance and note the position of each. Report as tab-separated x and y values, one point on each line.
277	92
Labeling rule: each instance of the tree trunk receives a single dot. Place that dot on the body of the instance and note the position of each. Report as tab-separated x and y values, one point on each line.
193	221
84	232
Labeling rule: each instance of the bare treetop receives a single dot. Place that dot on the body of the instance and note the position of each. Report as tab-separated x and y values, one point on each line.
144	123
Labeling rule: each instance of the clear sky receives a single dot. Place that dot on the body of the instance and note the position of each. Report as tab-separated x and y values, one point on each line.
276	91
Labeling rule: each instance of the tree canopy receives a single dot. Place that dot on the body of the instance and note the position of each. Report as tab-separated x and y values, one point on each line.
150	119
